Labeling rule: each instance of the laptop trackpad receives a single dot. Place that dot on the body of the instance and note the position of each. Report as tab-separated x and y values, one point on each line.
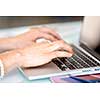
50	68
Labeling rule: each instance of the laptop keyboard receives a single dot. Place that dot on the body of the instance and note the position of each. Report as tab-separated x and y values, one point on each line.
77	61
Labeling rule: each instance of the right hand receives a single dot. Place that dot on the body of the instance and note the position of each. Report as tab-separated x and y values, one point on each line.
42	53
28	38
31	36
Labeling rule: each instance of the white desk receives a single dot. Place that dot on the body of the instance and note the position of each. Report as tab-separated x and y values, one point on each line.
68	30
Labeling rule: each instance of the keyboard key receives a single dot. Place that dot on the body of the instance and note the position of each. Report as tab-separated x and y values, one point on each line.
74	63
59	64
67	63
77	61
85	57
81	61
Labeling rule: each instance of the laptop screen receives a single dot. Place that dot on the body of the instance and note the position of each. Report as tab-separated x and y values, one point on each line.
90	33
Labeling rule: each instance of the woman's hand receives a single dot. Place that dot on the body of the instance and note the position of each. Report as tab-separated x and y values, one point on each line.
35	55
34	34
28	38
42	53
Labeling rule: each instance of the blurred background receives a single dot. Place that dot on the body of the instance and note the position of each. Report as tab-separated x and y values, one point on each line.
16	21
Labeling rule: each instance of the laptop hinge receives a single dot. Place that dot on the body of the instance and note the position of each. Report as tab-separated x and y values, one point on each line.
89	50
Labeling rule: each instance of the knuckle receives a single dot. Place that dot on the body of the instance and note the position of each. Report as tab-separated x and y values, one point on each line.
61	43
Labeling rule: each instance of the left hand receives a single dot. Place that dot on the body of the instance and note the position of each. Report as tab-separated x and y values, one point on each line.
35	55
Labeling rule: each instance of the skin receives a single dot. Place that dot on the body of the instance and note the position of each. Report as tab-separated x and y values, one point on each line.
28	38
25	52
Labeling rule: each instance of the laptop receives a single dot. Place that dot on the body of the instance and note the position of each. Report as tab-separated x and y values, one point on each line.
84	61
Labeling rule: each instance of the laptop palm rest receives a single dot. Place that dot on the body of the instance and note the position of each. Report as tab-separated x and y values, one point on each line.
47	69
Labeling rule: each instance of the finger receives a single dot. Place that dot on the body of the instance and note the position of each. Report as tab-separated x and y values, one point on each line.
51	32
42	45
60	45
45	36
42	41
56	54
53	47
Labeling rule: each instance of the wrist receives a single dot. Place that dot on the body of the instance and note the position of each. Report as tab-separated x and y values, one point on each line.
20	56
5	44
11	60
12	43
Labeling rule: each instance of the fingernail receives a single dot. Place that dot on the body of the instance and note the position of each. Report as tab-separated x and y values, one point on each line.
70	55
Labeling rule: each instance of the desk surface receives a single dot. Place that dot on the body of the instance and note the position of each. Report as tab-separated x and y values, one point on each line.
69	32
